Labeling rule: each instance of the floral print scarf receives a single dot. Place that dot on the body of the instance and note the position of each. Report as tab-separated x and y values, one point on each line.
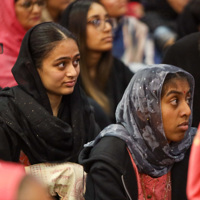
139	122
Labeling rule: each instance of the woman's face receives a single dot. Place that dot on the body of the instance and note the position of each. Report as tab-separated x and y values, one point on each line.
175	109
60	69
99	29
28	12
115	8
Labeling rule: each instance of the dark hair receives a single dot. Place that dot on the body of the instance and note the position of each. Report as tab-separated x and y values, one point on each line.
170	76
75	19
44	38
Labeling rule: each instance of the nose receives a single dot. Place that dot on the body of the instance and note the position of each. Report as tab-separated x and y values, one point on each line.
71	71
107	26
186	111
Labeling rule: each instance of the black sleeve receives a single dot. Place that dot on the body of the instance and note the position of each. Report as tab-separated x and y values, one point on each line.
104	183
5	150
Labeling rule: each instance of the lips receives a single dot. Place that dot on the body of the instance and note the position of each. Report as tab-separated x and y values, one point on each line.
70	83
184	126
108	39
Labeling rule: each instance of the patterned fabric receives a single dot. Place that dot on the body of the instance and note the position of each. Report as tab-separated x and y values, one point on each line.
148	187
139	122
132	43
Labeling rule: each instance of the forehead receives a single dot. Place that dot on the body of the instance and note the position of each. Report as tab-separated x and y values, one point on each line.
96	9
177	84
67	47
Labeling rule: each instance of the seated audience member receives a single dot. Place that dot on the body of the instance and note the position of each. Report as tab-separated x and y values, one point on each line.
189	19
103	77
15	184
145	154
46	117
161	17
185	53
131	42
16	17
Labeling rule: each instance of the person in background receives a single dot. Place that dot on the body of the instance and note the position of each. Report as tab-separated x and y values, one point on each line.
54	9
189	19
47	117
161	17
103	77
131	42
16	17
15	184
145	154
185	53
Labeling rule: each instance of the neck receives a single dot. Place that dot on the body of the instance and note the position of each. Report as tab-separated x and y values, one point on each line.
55	101
53	13
92	62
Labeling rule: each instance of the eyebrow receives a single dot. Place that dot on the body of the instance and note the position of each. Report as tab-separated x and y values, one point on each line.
177	92
68	58
95	16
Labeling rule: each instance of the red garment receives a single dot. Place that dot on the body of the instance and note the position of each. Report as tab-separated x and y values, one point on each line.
148	187
11	175
11	35
193	182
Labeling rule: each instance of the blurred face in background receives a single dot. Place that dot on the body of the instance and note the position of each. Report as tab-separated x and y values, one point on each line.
99	29
28	12
115	8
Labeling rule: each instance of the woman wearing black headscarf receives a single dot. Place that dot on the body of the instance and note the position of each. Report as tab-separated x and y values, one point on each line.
185	53
46	118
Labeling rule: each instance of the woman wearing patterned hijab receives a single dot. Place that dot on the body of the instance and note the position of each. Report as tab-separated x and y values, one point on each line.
145	155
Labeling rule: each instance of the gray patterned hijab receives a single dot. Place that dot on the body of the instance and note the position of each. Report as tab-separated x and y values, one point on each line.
139	122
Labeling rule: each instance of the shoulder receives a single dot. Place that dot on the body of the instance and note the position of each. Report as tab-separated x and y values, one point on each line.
111	150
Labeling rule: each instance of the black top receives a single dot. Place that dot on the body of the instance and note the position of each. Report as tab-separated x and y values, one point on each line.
112	176
27	121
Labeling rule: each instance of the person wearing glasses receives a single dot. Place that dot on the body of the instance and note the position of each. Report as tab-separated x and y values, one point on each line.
103	77
16	17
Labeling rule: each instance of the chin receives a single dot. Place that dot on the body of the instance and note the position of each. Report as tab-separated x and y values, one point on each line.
67	92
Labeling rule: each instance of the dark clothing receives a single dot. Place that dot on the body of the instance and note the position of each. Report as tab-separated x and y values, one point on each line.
112	174
185	54
120	77
159	13
27	121
189	19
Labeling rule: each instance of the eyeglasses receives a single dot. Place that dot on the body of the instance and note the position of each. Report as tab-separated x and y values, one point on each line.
28	5
100	24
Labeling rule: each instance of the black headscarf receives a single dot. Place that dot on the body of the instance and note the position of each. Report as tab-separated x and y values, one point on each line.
185	53
27	113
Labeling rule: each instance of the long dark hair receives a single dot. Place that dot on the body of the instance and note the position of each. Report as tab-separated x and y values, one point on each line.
74	18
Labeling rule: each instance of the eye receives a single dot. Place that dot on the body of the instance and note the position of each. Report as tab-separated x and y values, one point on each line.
76	62
188	100
95	22
174	101
61	65
27	4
